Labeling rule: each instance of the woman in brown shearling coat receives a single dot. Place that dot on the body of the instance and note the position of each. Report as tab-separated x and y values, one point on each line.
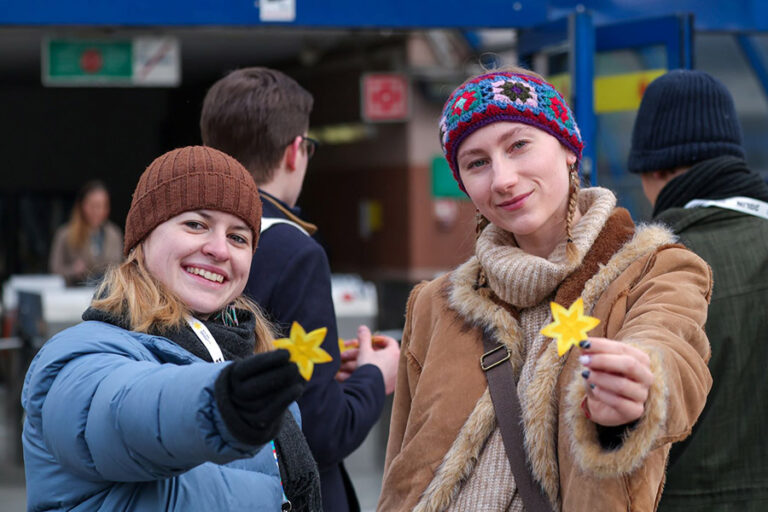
598	422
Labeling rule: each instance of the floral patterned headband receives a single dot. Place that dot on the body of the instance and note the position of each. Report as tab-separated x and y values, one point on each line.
505	96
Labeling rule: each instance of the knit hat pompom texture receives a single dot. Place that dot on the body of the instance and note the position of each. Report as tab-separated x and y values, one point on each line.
684	117
191	178
505	96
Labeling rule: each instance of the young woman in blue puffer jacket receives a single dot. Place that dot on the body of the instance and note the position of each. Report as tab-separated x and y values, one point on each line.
167	397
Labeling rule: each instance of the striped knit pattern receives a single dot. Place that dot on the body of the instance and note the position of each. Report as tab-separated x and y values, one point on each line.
492	485
524	280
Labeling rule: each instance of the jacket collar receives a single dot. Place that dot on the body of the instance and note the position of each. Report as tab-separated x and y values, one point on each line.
679	219
292	214
236	341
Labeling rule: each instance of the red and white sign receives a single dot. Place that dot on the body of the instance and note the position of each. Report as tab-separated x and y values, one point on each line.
384	97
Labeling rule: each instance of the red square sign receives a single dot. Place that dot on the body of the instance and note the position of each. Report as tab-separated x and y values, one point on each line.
384	97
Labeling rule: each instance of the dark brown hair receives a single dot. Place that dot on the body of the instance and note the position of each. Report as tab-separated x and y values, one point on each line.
252	114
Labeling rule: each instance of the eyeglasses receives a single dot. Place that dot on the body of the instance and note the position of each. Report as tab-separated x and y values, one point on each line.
310	146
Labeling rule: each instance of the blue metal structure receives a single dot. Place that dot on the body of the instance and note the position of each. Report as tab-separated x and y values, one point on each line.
309	13
583	36
755	59
673	32
734	15
710	15
659	43
583	40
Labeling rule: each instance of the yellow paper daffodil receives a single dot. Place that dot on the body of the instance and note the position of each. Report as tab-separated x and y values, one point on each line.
570	326
343	346
305	348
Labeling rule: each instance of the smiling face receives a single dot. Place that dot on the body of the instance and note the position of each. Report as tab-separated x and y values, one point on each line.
517	177
203	256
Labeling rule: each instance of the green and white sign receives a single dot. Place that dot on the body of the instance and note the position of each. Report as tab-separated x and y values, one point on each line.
130	62
443	183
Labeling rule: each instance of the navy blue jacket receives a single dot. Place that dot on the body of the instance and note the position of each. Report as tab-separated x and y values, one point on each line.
291	280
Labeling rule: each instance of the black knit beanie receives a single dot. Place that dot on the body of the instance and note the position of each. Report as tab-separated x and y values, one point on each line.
685	117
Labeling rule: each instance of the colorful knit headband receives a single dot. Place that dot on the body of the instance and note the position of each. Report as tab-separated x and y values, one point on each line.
505	96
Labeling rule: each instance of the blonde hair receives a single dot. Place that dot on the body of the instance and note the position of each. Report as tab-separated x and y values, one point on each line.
571	253
131	292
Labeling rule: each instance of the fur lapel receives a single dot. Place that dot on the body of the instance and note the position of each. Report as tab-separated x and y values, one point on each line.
477	307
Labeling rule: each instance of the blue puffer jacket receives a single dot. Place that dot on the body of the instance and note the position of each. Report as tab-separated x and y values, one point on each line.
120	420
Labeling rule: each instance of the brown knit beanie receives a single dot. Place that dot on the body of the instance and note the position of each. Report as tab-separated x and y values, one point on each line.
191	178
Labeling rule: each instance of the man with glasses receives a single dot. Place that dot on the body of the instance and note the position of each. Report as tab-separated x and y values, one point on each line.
261	117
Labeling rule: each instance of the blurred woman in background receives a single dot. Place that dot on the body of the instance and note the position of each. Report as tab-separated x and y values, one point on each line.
85	246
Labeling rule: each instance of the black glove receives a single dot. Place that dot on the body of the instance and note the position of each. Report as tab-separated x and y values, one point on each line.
253	393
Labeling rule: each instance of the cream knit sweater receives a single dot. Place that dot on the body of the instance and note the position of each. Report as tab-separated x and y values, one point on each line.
527	282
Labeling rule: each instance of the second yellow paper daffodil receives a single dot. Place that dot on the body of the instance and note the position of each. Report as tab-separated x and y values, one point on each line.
305	348
570	326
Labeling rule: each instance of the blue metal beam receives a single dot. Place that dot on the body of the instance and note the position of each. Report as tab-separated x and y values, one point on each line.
755	59
713	15
582	35
532	40
734	15
674	32
309	13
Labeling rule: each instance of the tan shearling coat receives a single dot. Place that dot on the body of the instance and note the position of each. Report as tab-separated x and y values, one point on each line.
644	289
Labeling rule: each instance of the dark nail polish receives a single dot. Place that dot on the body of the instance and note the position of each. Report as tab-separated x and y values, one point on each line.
585	374
585	344
591	385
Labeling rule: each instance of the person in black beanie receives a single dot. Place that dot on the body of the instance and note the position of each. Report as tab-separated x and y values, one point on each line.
169	396
686	147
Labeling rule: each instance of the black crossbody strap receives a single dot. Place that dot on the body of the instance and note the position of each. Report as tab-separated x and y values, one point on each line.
501	382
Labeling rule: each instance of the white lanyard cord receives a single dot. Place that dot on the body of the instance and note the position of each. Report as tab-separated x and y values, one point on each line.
207	338
741	204
209	341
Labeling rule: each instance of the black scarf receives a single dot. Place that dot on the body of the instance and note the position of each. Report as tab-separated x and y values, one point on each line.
298	470
236	341
716	178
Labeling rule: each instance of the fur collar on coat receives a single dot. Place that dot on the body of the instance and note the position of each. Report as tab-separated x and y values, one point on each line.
619	247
